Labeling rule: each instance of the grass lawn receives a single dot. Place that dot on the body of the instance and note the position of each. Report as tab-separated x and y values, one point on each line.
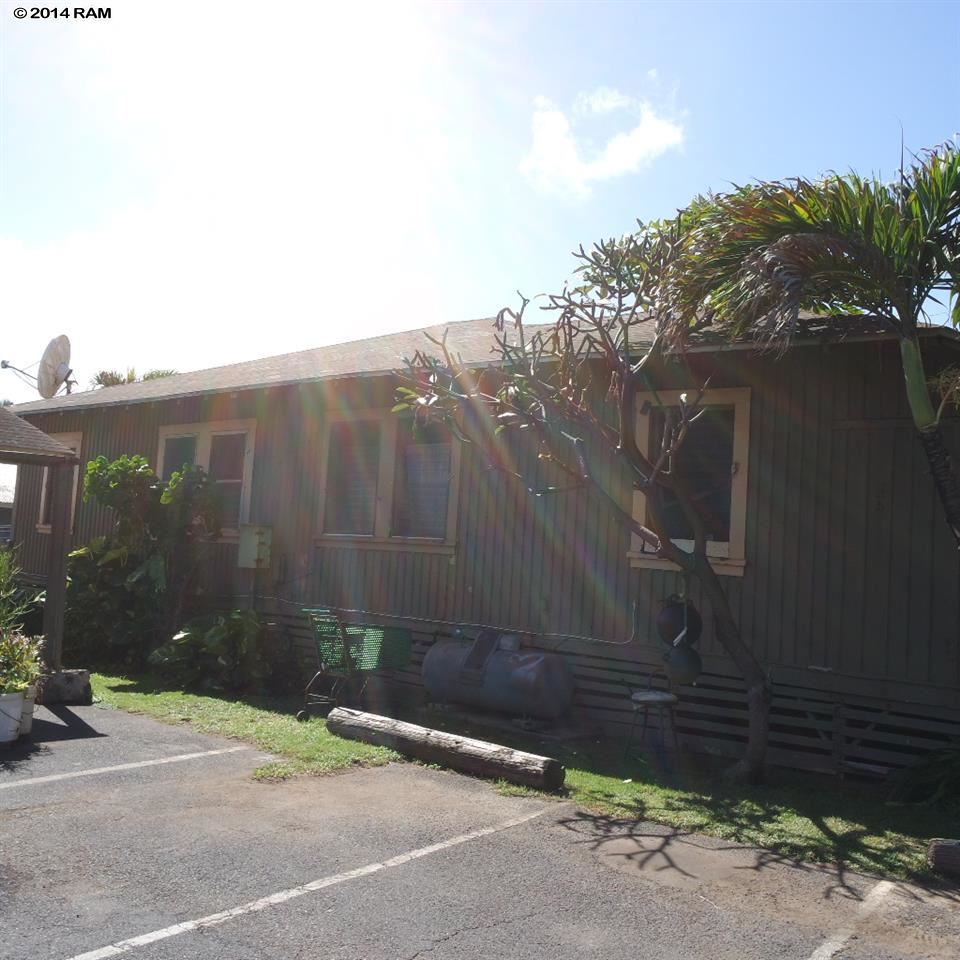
270	724
806	818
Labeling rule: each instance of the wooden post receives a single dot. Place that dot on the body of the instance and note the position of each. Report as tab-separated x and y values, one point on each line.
452	750
61	490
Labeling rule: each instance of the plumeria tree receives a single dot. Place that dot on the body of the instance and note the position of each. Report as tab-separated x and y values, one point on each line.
574	387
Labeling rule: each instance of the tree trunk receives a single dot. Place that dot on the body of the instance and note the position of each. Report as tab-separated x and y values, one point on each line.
944	477
460	753
931	437
753	766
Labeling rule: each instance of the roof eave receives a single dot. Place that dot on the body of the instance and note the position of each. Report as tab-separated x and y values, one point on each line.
947	333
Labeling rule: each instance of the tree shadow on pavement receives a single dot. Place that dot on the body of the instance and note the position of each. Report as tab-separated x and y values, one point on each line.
762	833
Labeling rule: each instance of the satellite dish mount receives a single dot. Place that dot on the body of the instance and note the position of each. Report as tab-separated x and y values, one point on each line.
54	370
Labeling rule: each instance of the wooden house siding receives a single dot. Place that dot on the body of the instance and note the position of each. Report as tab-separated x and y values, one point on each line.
850	588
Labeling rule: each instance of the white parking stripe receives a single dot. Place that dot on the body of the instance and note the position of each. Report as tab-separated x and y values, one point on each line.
832	946
120	766
123	946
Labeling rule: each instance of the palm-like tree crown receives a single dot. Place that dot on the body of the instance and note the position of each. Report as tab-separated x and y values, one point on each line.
757	256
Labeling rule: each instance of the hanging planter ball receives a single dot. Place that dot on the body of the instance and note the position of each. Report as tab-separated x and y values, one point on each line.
671	621
683	664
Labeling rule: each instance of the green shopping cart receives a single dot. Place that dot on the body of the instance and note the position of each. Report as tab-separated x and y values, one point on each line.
347	653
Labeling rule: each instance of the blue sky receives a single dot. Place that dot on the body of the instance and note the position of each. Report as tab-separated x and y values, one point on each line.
195	182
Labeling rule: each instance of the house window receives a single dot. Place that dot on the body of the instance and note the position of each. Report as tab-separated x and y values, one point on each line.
353	471
713	461
73	441
390	485
421	481
225	451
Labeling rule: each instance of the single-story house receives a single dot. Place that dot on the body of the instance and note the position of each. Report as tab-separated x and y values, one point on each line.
827	530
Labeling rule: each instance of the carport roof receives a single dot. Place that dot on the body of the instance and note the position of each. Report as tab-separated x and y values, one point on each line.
21	442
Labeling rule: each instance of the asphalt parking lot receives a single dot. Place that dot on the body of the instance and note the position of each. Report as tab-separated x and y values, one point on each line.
125	837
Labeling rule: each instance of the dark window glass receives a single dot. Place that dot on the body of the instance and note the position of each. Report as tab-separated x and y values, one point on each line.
229	494
421	481
226	455
353	462
705	462
177	453
226	471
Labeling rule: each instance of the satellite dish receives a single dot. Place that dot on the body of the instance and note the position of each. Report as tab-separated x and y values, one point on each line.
54	369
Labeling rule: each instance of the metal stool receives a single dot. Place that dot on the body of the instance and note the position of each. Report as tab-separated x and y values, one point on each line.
663	701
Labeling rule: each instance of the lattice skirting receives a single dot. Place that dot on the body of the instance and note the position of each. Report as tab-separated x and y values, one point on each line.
827	731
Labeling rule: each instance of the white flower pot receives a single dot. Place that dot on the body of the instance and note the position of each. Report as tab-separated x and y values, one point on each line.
11	710
26	718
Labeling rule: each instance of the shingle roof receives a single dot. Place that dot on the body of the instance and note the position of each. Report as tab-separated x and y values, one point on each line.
472	339
20	439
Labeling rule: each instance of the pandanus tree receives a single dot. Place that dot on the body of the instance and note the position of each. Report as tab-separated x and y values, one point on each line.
758	256
573	387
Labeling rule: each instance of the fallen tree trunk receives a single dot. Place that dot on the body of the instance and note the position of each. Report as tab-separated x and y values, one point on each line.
450	749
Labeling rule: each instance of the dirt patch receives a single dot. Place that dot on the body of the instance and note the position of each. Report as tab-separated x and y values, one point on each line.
915	921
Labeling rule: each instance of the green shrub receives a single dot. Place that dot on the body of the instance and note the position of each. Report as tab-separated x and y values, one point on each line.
126	592
16	601
20	664
225	652
114	614
934	780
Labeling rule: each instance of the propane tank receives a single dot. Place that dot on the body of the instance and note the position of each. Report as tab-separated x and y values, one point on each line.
530	683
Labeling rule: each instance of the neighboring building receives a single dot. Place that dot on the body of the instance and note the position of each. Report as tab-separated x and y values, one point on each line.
837	559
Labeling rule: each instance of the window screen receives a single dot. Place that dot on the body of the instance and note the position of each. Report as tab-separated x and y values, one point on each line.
353	462
421	482
227	451
177	453
705	462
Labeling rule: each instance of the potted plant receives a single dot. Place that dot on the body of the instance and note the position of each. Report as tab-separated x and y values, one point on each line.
19	670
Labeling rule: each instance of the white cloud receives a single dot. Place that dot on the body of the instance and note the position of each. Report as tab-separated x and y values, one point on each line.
602	100
556	163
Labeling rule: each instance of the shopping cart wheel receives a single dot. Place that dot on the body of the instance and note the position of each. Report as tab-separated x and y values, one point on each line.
303	715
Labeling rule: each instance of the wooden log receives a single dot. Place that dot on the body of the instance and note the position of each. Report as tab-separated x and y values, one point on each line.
461	753
944	856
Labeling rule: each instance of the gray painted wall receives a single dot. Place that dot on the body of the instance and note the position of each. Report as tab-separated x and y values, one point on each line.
850	568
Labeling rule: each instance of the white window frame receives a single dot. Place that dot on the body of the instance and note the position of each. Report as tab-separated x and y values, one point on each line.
726	557
75	442
381	538
204	434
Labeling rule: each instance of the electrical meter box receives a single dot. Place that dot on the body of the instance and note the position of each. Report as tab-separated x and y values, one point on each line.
254	552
